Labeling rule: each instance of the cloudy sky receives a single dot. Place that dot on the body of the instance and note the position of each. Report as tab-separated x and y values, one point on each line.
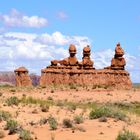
33	32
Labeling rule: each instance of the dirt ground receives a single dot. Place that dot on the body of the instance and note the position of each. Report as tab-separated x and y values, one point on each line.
29	115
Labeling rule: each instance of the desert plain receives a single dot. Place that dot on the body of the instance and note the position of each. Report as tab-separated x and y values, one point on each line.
68	113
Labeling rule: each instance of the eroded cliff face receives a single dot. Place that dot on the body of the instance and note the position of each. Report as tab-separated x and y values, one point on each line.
119	79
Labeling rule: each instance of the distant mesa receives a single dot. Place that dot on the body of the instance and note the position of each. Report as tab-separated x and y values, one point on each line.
71	71
22	77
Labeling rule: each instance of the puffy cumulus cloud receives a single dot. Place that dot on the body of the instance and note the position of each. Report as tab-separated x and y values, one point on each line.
17	19
56	39
35	50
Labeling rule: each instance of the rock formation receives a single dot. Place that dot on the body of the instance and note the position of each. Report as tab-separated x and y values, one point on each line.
70	71
86	63
118	62
70	61
22	77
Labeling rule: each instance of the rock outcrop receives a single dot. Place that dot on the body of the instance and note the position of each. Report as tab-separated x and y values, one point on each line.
22	77
70	61
70	71
118	62
86	63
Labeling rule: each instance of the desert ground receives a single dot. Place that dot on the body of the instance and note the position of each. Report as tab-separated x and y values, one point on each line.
64	113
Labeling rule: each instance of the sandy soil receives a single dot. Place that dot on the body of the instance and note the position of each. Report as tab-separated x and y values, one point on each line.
28	116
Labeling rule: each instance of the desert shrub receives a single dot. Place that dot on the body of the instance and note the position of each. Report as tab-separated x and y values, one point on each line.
43	121
127	135
25	135
52	123
4	115
67	123
99	112
44	107
2	135
12	101
78	119
119	115
12	126
105	111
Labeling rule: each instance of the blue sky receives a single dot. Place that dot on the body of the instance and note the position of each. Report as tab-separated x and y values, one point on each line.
32	30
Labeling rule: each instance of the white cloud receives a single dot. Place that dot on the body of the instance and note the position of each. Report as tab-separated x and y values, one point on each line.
35	51
102	58
17	19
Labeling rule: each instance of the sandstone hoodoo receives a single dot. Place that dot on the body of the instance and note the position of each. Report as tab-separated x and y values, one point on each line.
118	62
70	61
70	71
22	77
86	63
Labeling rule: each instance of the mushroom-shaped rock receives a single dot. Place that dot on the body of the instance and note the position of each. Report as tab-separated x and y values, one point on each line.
22	77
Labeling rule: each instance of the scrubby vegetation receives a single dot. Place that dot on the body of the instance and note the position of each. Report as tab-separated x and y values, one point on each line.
78	119
127	135
52	123
12	126
12	101
105	111
4	115
67	123
25	135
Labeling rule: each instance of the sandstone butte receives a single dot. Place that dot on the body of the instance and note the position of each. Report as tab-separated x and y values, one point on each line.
70	71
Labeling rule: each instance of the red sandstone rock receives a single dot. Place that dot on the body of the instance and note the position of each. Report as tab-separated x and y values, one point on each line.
70	61
22	77
118	62
86	63
72	72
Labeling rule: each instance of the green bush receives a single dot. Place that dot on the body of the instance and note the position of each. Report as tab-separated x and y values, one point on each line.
78	119
100	112
52	123
12	101
4	115
67	123
105	111
25	135
127	135
12	126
